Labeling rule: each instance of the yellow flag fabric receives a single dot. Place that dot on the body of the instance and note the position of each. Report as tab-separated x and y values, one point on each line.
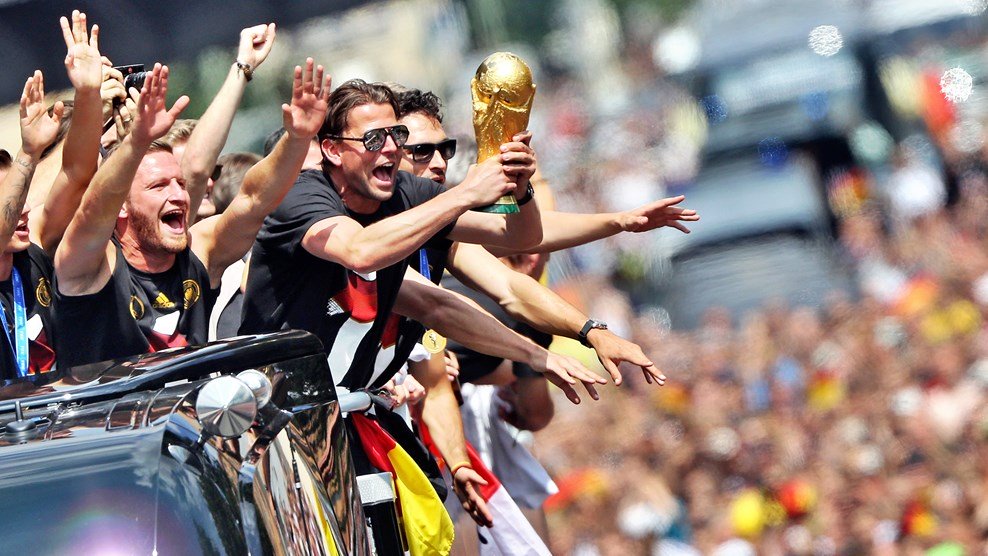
428	527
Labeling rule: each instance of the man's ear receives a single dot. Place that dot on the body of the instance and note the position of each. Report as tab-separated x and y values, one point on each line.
123	211
330	151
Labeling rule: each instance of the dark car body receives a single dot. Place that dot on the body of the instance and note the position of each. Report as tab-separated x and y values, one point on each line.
118	463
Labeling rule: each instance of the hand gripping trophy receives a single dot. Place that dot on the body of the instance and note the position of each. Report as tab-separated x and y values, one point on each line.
502	91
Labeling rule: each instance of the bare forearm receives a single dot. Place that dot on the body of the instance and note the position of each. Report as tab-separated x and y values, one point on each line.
465	322
523	230
542	308
440	411
81	148
395	238
97	214
79	156
562	230
267	182
210	134
13	193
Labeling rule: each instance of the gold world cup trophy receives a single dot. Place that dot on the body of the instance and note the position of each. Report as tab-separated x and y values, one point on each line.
502	91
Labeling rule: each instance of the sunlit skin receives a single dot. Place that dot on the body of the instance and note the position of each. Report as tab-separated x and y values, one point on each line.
152	223
206	207
424	129
365	178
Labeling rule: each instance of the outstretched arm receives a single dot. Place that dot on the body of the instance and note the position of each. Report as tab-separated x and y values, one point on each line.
464	321
525	299
562	230
343	240
38	130
213	127
82	260
84	66
222	239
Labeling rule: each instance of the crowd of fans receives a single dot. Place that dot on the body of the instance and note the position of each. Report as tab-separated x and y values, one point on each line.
857	427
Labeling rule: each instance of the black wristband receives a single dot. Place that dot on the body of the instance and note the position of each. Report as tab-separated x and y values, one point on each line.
528	196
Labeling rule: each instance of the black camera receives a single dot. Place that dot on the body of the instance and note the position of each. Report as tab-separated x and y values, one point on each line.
134	76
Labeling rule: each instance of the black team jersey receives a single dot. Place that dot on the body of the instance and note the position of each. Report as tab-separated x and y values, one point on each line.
36	270
351	313
137	312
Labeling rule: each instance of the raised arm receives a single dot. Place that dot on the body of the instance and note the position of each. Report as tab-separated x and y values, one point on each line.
84	66
38	130
462	320
383	243
82	258
222	239
562	230
525	299
213	127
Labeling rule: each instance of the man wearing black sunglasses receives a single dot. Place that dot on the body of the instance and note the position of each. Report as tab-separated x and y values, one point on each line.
332	258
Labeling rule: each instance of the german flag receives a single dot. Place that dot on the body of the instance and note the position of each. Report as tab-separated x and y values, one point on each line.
428	527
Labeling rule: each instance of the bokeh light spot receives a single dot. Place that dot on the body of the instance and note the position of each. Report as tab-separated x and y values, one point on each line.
956	84
826	40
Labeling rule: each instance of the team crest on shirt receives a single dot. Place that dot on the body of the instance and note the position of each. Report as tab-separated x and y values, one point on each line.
136	307
191	292
43	292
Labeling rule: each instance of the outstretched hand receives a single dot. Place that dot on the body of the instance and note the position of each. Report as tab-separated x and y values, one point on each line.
255	44
152	120
565	372
663	212
612	350
310	101
38	128
83	62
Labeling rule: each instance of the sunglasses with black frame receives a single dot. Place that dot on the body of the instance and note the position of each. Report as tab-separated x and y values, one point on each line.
374	139
423	152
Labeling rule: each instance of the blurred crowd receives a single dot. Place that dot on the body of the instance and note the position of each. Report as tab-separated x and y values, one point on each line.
857	428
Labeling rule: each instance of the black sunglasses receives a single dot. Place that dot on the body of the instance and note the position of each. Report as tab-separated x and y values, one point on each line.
423	152
217	170
374	139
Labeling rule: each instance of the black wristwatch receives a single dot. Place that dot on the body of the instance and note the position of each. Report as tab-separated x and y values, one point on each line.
590	325
529	194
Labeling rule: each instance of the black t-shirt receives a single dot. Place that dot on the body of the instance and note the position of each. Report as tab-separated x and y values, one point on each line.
288	287
36	271
410	331
137	312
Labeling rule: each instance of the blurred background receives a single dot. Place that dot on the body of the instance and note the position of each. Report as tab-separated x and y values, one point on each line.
823	327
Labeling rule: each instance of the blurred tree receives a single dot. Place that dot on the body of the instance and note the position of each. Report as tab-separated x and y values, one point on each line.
495	22
671	10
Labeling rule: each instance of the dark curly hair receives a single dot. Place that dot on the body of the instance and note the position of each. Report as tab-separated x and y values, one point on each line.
416	100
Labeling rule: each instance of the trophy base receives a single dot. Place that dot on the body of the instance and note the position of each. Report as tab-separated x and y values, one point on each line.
504	205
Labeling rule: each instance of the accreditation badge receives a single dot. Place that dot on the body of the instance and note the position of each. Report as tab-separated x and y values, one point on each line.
433	342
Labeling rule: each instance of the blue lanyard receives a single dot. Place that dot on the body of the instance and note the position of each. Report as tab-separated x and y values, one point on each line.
424	265
19	342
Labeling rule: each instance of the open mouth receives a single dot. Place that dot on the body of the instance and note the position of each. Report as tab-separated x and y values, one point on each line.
21	228
439	178
385	172
174	220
